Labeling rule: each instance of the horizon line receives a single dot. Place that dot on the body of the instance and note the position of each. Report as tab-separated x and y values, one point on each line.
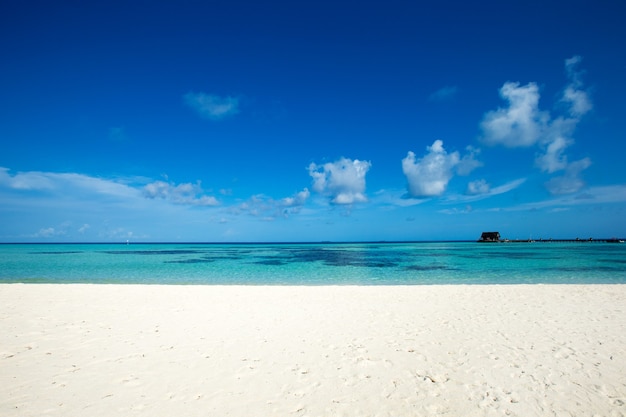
129	242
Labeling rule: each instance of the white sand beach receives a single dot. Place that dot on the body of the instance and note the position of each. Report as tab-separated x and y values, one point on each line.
131	350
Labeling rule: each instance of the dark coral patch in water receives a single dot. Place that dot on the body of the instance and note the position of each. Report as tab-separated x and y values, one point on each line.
270	262
69	252
153	252
341	257
191	261
614	261
426	267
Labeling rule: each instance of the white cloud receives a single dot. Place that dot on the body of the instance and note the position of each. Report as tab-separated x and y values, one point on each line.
49	232
478	187
49	197
570	182
396	197
297	200
560	131
520	124
509	186
553	158
465	210
443	94
53	182
429	176
343	180
559	134
523	124
47	204
468	162
186	194
269	209
595	195
32	180
119	233
211	106
60	230
293	205
570	68
578	99
480	190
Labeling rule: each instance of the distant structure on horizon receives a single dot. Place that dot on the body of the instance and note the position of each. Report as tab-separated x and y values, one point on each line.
494	237
490	237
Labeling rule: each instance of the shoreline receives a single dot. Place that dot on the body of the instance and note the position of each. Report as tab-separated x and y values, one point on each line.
160	350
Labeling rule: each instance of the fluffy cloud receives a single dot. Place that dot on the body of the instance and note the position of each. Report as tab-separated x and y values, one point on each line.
186	194
296	200
553	157
478	187
211	106
293	205
429	176
269	209
521	123
578	99
342	180
559	136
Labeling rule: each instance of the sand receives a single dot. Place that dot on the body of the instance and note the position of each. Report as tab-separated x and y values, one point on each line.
109	350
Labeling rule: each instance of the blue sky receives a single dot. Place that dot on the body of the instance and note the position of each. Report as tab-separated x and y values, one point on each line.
310	121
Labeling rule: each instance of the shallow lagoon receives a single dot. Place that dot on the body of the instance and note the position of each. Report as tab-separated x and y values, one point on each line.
316	263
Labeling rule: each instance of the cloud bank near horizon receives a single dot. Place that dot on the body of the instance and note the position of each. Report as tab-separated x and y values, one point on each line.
185	194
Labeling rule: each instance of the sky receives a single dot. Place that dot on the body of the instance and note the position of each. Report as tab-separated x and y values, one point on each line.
247	121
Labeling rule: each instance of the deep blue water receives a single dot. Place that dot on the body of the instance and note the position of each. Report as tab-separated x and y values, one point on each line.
316	264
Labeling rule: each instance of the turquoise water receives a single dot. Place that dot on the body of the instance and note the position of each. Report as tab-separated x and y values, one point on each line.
316	264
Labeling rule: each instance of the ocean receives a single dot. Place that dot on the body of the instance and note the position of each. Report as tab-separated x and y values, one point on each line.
416	263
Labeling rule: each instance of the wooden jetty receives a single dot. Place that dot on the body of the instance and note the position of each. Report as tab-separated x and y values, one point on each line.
494	237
